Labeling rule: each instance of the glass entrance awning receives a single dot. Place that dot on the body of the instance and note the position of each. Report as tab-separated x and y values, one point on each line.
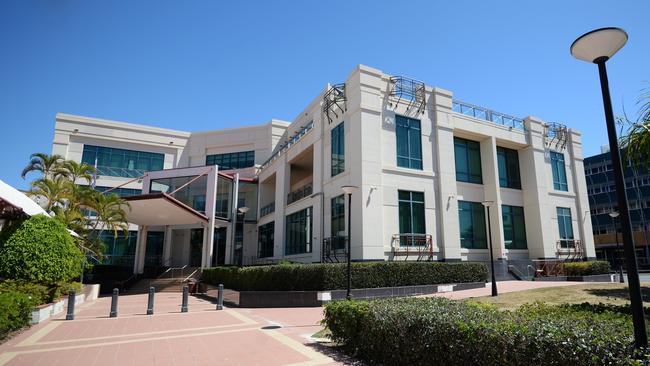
159	209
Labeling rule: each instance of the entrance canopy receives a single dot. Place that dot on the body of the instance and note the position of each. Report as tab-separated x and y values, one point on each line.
155	209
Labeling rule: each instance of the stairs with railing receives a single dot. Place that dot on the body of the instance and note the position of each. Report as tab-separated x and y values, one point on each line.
172	280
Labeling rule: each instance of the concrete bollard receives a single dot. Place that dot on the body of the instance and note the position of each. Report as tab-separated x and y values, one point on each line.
71	300
186	291
150	301
113	313
220	298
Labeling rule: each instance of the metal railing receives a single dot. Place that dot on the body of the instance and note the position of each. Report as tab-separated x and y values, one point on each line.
120	172
407	244
488	115
174	272
334	249
267	209
286	145
299	193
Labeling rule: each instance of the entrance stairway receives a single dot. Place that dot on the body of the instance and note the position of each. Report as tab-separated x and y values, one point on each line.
172	280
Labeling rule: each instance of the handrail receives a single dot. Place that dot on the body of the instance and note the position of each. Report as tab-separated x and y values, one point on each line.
190	276
284	147
487	115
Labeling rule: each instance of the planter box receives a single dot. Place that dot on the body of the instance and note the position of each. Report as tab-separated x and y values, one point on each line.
592	278
46	311
278	299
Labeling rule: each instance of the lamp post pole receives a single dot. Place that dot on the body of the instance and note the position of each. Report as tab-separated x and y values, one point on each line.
495	292
614	215
348	191
597	47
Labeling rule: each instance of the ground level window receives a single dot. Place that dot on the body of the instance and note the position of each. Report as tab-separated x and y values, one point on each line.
299	228
514	227
338	222
471	217
266	236
565	226
411	217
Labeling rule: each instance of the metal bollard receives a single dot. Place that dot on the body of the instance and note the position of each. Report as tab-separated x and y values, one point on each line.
150	302
113	313
186	292
220	298
71	299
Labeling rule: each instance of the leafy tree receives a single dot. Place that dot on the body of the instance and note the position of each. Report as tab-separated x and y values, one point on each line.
40	250
75	171
44	163
636	139
54	191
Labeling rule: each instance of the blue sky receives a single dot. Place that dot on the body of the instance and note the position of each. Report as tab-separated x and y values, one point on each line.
201	65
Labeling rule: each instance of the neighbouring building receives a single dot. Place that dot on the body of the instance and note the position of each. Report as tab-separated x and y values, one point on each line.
423	162
603	201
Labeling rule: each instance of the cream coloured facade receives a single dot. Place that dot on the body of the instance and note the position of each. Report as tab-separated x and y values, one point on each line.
423	162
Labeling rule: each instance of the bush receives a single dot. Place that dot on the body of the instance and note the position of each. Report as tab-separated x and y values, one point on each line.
331	276
15	311
39	250
40	294
437	331
587	268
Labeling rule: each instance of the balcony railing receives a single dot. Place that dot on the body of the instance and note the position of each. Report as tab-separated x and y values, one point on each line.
120	172
488	115
287	144
418	246
299	193
334	249
268	209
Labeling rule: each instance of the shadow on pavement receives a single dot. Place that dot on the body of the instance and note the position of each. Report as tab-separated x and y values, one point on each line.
619	293
336	353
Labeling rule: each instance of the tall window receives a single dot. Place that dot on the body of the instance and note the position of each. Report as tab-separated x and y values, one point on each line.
409	142
471	216
299	226
565	225
120	162
338	222
236	160
411	217
338	149
559	171
508	161
514	227
266	239
468	161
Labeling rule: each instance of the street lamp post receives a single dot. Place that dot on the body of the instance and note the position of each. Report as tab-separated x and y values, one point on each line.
597	47
614	215
495	292
348	191
242	211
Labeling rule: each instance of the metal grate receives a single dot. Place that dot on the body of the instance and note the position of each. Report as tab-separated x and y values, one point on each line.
556	135
334	102
409	92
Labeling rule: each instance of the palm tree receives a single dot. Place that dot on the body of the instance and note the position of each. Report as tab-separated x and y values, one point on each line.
55	191
75	171
44	163
110	213
636	140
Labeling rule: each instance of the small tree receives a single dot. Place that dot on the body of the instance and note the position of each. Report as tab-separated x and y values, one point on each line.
41	250
636	139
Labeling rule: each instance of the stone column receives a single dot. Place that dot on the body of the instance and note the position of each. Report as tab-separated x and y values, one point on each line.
282	181
574	146
167	247
492	192
140	250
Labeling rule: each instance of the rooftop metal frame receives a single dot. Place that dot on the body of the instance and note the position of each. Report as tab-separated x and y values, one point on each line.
407	91
334	102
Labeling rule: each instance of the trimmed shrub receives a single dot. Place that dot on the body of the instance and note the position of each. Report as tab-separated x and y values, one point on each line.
40	294
332	276
39	250
587	268
15	311
437	331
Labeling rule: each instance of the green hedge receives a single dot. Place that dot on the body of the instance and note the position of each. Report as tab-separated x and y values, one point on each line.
39	250
587	268
437	331
331	276
15	311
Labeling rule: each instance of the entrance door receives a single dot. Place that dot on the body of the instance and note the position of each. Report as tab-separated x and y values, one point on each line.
219	251
196	247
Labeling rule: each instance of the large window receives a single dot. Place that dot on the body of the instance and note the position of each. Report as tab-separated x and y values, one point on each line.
559	171
338	149
471	216
236	160
411	217
508	161
338	222
565	225
192	194
514	227
299	226
266	235
120	162
409	142
468	161
122	192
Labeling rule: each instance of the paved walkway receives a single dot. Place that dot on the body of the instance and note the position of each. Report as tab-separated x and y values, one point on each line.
203	336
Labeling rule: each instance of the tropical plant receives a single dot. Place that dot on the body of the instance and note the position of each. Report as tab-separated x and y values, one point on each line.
44	163
54	191
75	171
635	140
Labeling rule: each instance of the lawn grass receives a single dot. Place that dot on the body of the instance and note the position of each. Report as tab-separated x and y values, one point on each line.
607	293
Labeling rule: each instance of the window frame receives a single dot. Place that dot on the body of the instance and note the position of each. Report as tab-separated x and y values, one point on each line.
337	155
409	131
475	209
509	173
558	170
232	160
469	146
299	218
267	230
415	202
515	213
564	214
